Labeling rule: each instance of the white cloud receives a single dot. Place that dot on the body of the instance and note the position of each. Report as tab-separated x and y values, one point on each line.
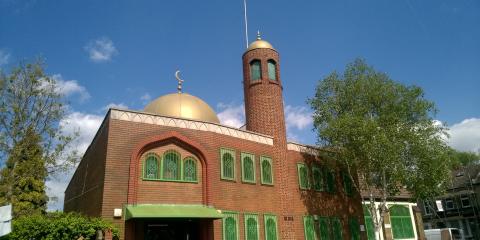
101	50
145	98
465	136
298	117
4	57
115	105
231	115
87	126
70	87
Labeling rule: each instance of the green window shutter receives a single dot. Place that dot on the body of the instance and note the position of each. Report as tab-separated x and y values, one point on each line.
151	167
302	176
270	223
190	169
230	226
272	70
337	228
309	227
255	70
317	179
324	227
227	164
401	221
251	227
267	171
171	165
354	229
370	226
248	167
330	181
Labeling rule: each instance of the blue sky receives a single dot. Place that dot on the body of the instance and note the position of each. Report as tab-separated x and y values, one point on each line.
124	53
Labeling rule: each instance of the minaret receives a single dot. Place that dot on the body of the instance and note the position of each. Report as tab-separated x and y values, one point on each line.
263	91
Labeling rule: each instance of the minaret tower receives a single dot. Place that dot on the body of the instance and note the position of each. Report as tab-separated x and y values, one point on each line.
263	91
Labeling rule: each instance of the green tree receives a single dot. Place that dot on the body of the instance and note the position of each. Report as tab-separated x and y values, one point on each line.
32	144
382	131
460	158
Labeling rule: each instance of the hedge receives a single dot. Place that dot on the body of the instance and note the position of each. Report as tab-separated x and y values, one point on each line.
58	226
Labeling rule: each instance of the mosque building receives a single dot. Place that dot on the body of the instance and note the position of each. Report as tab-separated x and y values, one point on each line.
173	171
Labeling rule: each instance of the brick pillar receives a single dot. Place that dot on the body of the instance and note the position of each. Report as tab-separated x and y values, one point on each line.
417	216
108	235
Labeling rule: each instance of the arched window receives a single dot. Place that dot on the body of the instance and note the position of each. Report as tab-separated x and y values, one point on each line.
272	70
230	227
189	169
255	70
270	227
267	177
151	167
228	164
401	222
171	165
251	227
309	228
369	223
248	167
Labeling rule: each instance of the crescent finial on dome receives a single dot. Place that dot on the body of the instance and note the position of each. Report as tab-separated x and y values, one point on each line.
180	81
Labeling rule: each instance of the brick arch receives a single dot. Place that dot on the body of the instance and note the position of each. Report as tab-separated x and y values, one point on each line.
159	140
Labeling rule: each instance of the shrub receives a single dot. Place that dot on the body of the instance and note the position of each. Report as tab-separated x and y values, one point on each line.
58	226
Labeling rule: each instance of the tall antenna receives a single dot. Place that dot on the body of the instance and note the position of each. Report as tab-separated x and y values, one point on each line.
246	21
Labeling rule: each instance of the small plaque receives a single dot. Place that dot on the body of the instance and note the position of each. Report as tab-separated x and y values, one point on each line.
388	226
117	212
362	228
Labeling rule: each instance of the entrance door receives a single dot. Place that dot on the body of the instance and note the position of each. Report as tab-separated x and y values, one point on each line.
172	230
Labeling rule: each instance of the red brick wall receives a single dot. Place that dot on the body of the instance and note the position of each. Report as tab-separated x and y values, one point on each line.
85	190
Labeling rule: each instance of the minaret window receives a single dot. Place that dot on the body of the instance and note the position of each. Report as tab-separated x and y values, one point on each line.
255	70
151	167
272	70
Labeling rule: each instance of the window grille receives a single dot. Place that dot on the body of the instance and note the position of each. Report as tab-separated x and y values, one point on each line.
369	225
251	227
267	170
190	169
303	176
151	167
337	228
171	165
354	228
324	227
230	226
347	184
270	227
248	167
309	227
227	164
318	181
255	70
401	222
330	181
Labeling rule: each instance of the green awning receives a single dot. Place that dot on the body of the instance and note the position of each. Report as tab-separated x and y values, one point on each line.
170	211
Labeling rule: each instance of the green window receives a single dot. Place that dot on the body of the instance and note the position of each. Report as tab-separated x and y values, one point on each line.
347	183
401	222
255	70
309	226
227	164
151	167
266	167
303	176
330	174
270	227
251	227
317	179
248	167
354	228
190	169
336	228
369	225
230	226
272	70
324	227
171	165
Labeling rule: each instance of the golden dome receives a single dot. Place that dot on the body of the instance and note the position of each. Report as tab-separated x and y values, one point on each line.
182	105
259	43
